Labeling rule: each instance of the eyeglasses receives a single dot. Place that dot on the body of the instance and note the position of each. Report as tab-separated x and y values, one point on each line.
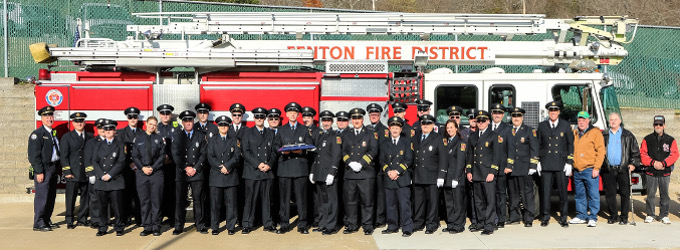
273	118
130	117
260	116
109	129
454	116
236	115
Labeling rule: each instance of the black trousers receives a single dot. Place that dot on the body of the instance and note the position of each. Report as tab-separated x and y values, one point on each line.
169	199
45	193
257	190
521	189
115	199
501	198
287	187
617	182
94	206
471	210
398	209
380	200
426	206
72	189
328	204
456	204
485	203
561	181
223	197
131	206
150	193
359	195
181	189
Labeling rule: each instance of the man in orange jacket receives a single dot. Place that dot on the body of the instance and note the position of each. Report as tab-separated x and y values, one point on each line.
589	154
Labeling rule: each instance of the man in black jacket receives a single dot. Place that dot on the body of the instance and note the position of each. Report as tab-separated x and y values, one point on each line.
430	168
224	155
167	128
189	148
502	129
73	167
127	136
623	155
324	171
556	149
293	169
521	165
374	113
258	174
43	154
395	161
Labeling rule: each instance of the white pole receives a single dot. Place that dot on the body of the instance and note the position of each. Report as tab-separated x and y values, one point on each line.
4	28
373	5
160	9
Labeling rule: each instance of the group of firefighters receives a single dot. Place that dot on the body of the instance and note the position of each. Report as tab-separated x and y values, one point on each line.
355	176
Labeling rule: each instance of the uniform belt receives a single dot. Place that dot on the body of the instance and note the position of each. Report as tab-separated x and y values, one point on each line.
615	166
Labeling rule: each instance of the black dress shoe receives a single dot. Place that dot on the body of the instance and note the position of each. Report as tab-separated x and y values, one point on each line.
303	230
81	224
204	231
446	229
215	232
388	231
318	229
514	222
101	233
623	222
52	225
564	224
42	229
454	231
232	232
475	229
487	232
144	233
429	231
281	230
407	234
501	225
119	233
349	231
269	229
544	223
611	221
156	233
328	232
246	230
70	226
368	231
176	231
528	224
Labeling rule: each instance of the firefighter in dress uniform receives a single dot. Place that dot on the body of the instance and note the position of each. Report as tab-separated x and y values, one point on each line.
148	155
189	149
325	168
292	170
556	149
374	112
522	161
224	155
167	128
483	158
399	110
395	160
210	130
88	153
503	130
359	154
131	207
258	173
424	109
308	114
108	162
73	168
429	173
454	185
43	154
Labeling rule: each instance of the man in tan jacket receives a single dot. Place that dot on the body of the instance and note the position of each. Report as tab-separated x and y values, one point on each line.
589	152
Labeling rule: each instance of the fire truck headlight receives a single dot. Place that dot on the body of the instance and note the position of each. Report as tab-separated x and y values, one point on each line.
420	59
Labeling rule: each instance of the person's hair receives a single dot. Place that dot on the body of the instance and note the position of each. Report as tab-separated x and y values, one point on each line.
455	124
151	118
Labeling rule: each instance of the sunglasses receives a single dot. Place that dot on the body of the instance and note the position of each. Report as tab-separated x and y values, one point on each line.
260	116
203	112
273	118
79	121
659	125
454	116
130	117
109	129
166	113
482	120
236	115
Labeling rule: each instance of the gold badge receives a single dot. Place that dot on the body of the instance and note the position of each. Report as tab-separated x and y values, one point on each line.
487	144
462	147
561	134
363	143
401	152
500	139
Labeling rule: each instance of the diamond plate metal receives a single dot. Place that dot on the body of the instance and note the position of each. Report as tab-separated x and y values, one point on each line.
354	87
532	113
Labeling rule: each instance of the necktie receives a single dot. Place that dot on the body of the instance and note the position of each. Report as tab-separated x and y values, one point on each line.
261	132
356	132
494	127
83	136
224	138
514	130
394	141
553	125
108	142
134	130
423	138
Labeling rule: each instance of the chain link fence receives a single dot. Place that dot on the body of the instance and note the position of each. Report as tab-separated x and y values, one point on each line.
649	77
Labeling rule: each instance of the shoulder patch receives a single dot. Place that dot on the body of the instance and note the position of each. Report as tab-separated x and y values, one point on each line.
338	140
462	146
411	145
238	143
375	134
387	133
446	142
175	124
534	131
413	132
500	139
34	136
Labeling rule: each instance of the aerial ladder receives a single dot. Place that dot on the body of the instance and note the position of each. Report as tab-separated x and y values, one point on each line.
595	40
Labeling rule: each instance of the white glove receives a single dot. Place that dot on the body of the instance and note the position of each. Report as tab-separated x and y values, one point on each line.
329	180
92	179
567	169
538	168
440	183
311	178
355	166
454	184
532	171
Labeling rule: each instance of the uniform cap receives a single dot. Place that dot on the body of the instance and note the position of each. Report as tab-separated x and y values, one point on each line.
187	115
274	112
259	111
497	107
554	105
131	111
165	108
342	116
223	120
471	113
427	119
453	110
47	110
293	106
516	110
109	124
326	115
78	116
308	111
423	104
202	107
237	107
481	114
374	107
395	121
357	113
99	123
399	107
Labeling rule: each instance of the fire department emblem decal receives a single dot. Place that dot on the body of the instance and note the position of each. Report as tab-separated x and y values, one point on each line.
54	97
666	148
